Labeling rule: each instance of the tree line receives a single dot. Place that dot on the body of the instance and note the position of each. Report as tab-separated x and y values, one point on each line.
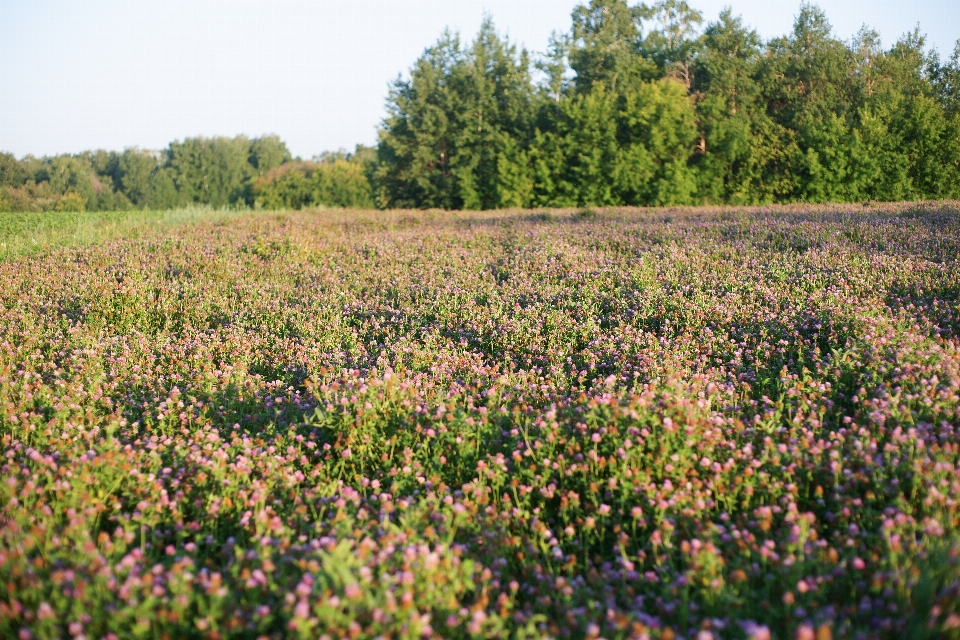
646	105
215	171
635	105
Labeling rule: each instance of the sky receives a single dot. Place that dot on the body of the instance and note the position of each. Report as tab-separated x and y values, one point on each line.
111	74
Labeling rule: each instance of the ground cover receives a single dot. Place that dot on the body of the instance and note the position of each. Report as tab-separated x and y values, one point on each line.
704	423
25	233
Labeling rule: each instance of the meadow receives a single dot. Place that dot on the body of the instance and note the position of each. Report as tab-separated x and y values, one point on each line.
618	423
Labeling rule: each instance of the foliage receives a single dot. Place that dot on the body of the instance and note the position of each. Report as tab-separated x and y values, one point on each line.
451	136
709	423
335	183
28	233
202	171
658	111
72	201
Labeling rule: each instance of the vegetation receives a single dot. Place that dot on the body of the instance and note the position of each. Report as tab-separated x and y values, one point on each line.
671	423
636	105
338	180
25	233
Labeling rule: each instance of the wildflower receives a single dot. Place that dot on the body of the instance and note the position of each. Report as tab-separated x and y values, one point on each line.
302	610
805	632
756	631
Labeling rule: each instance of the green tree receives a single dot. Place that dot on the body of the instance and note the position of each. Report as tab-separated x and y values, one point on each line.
606	45
554	66
162	190
210	170
573	162
739	143
658	129
445	141
417	139
297	185
920	120
136	169
673	44
809	85
267	153
73	174
12	172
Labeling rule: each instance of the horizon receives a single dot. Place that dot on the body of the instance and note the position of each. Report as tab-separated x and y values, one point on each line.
113	75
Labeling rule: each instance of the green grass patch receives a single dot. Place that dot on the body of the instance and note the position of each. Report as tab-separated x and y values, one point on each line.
34	232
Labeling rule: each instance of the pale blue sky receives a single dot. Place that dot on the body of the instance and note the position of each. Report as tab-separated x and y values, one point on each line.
87	74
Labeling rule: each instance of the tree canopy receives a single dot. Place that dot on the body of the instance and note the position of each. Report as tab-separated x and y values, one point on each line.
647	105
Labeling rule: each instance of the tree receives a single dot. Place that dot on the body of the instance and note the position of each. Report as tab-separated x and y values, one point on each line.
210	170
606	46
739	142
72	201
72	174
12	173
658	128
554	66
673	45
445	141
296	185
268	153
810	90
136	170
574	160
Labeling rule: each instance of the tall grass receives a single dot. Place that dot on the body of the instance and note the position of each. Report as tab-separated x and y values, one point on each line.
26	233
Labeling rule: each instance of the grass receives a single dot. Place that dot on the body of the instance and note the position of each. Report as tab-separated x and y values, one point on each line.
35	232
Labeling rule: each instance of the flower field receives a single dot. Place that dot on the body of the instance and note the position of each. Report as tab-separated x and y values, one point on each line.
699	424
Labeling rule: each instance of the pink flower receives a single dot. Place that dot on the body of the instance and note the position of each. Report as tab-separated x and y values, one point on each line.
302	610
756	631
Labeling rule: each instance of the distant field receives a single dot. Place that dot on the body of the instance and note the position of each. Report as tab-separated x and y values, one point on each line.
618	423
26	233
